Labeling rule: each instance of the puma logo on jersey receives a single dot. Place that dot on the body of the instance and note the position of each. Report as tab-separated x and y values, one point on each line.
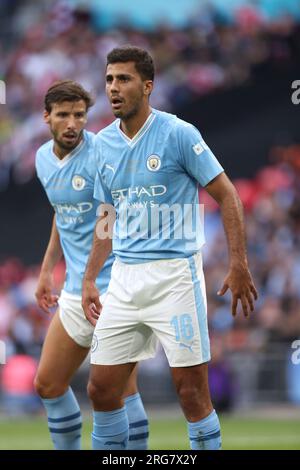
187	346
110	168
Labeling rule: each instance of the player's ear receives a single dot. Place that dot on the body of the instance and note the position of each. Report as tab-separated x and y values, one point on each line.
46	117
148	87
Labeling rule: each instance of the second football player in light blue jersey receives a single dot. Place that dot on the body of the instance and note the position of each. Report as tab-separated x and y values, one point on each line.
66	168
69	184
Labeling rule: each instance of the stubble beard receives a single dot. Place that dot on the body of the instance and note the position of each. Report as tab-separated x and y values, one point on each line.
65	146
125	116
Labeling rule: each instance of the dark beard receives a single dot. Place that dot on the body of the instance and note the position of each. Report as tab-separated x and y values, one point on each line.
130	114
70	147
126	117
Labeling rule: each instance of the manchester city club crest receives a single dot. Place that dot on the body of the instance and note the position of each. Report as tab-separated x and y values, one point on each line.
78	182
153	163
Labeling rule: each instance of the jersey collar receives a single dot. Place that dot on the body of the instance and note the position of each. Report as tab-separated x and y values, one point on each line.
145	127
61	163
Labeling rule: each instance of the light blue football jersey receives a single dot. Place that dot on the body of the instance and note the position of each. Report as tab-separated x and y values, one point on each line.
69	184
152	181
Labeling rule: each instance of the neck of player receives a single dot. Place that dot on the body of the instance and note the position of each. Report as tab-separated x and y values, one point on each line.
132	125
62	152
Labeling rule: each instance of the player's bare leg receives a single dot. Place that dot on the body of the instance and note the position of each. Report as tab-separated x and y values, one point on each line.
106	388
107	385
193	392
131	386
60	359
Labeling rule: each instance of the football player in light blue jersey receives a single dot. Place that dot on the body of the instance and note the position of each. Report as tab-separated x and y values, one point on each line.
66	168
150	165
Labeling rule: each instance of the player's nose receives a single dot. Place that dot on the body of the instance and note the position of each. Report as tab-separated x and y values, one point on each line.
114	86
71	124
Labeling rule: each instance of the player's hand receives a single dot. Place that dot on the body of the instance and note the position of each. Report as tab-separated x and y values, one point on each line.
90	301
44	297
240	282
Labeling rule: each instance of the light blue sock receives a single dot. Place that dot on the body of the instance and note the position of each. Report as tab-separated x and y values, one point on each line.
138	423
205	434
64	421
111	430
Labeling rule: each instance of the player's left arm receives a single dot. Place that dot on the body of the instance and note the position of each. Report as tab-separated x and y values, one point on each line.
238	279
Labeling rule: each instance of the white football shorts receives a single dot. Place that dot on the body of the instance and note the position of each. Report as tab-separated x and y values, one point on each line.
73	319
164	300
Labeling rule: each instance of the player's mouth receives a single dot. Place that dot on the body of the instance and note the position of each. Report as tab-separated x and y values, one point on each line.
116	103
70	137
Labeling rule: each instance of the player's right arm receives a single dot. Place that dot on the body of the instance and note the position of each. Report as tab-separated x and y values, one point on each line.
44	292
101	249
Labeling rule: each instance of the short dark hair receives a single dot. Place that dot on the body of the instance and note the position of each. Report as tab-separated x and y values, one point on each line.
66	90
142	59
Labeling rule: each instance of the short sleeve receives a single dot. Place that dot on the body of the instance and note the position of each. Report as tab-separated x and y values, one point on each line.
196	157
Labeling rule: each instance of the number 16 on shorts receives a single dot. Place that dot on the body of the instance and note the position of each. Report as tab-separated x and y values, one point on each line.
183	328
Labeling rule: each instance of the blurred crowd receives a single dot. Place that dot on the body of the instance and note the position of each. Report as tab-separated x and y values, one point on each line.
212	52
272	205
260	348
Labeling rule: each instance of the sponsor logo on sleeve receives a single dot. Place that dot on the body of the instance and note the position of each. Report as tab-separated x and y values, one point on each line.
198	148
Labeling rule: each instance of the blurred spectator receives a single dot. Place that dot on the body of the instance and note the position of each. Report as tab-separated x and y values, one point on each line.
293	380
18	395
221	380
56	40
